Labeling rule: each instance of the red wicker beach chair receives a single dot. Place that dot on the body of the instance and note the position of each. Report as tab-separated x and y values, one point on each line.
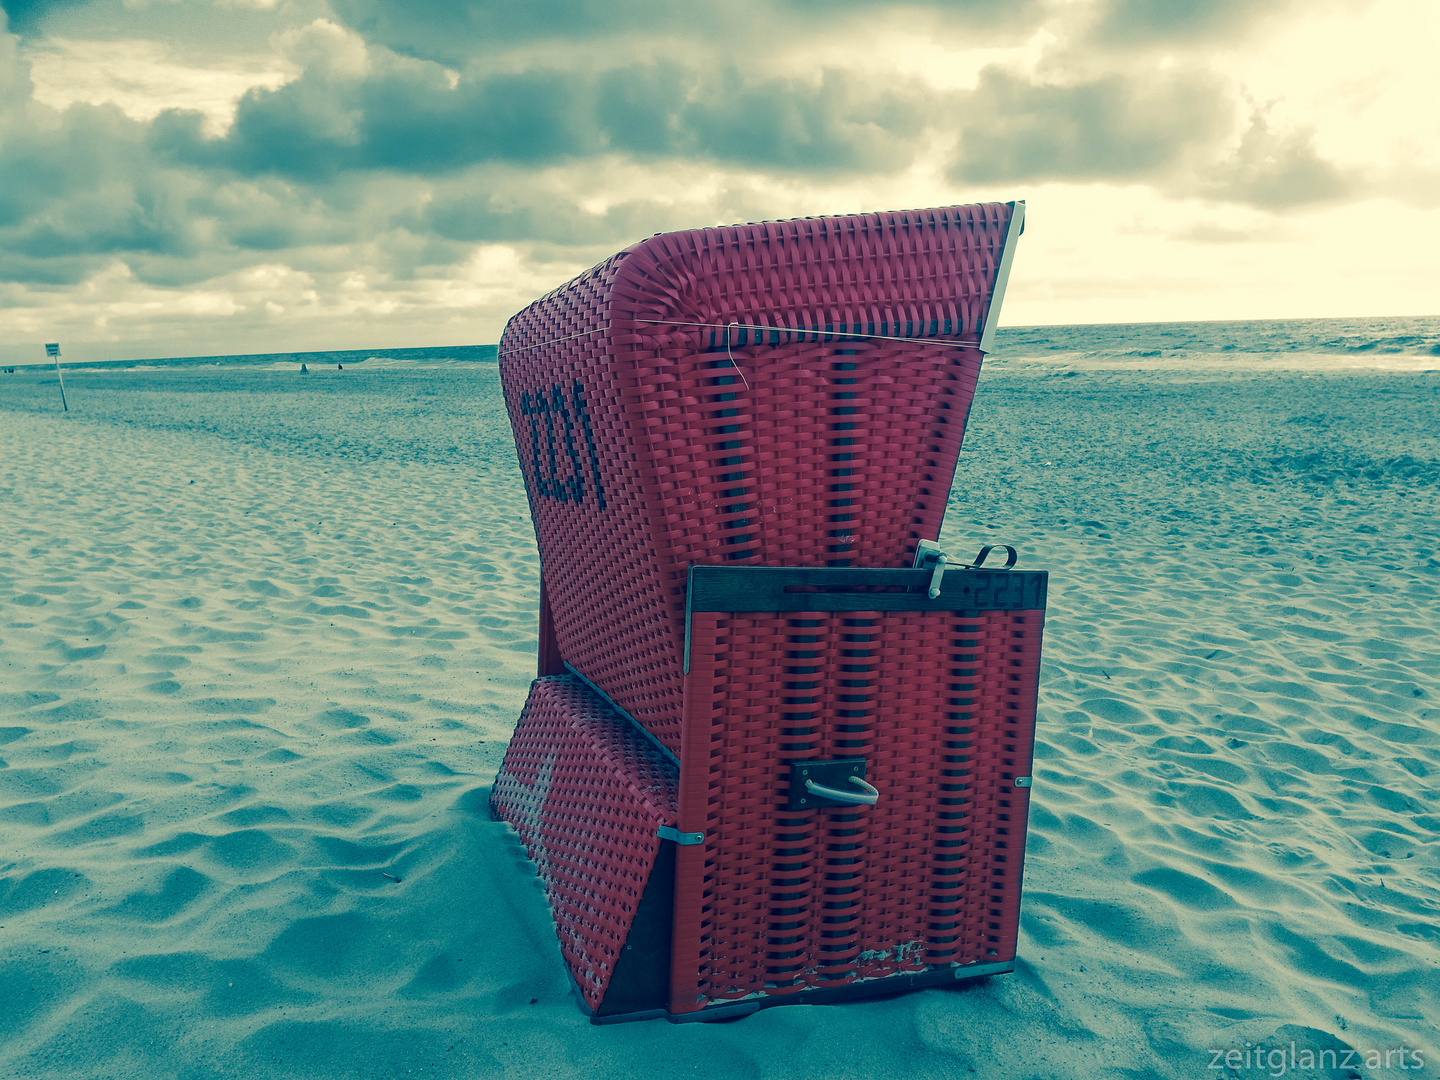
786	394
765	763
722	883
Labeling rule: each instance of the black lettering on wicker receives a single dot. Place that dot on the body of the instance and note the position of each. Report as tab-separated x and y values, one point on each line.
530	412
575	486
546	483
552	486
552	404
577	393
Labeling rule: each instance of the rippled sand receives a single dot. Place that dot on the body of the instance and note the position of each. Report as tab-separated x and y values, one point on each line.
262	642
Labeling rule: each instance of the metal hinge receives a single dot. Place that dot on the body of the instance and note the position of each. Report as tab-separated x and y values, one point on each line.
684	839
1023	781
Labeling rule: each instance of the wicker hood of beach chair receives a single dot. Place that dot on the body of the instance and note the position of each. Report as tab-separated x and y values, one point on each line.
788	393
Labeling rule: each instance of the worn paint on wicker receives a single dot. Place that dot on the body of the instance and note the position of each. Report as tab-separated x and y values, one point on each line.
644	452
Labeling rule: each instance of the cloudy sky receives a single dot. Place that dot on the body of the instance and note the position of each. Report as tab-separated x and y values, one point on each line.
182	177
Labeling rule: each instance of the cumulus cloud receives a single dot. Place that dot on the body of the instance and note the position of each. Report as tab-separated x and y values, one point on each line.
113	228
1278	171
1117	127
455	31
1180	20
1170	128
363	108
464	215
76	186
402	151
144	78
16	88
1182	23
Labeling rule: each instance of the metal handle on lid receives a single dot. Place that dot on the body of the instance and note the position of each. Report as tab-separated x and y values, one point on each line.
941	560
927	553
866	796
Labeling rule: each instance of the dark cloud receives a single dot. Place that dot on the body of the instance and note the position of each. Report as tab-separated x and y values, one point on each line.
1113	128
26	16
407	118
839	123
268	214
200	31
1182	24
390	161
456	31
1181	21
86	188
414	116
83	190
48	270
463	214
1169	129
453	31
1278	171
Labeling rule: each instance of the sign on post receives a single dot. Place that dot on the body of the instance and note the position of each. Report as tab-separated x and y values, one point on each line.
53	349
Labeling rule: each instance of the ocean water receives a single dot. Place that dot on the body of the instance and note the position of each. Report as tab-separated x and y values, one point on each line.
1394	343
1402	341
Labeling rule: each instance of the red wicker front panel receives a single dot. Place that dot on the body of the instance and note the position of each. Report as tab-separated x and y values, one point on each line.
652	436
586	791
942	706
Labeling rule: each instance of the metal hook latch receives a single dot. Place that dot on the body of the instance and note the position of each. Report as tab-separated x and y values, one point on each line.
684	839
928	553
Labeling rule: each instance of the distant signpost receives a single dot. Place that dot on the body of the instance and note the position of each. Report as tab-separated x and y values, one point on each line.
53	349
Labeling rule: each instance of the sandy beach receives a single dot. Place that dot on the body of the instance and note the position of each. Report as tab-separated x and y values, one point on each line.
263	640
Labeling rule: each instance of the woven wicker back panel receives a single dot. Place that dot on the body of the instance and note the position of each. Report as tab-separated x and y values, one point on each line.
586	791
649	442
942	706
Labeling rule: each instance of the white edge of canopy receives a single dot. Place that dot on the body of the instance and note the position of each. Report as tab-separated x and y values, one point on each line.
1002	276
